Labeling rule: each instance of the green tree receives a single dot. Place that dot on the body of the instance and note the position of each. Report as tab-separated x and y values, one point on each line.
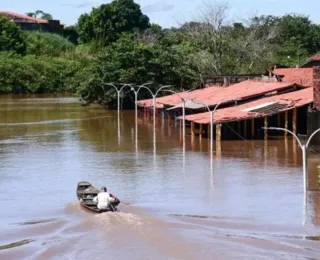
297	37
106	23
11	37
40	14
130	60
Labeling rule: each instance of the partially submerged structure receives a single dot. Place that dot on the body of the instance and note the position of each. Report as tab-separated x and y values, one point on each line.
281	97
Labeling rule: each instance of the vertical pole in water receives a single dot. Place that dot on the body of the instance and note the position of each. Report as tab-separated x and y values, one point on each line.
184	120
304	161
294	121
154	127
245	129
136	115
218	132
136	105
192	129
154	111
211	134
266	130
118	92
286	123
252	128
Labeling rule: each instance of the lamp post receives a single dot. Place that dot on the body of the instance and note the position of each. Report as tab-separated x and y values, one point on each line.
136	112
118	92
136	97
118	105
154	108
211	118
183	100
211	122
153	97
304	148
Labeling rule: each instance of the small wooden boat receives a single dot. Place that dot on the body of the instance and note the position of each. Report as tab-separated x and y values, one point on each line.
86	193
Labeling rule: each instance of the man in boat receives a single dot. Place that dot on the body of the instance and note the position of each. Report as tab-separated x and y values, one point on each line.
106	201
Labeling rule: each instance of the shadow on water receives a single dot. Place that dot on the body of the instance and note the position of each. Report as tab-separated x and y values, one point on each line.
35	222
16	244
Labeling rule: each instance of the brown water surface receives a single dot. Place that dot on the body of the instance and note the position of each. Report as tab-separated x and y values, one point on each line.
247	203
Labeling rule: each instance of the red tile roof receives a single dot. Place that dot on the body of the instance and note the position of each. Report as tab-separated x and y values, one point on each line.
27	19
172	100
315	57
243	90
214	95
301	76
293	99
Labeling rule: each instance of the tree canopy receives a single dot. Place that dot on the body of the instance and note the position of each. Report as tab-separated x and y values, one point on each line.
106	23
11	37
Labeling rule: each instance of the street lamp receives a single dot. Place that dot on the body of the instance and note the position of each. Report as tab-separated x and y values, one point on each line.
211	122
183	100
136	112
118	92
304	148
118	105
211	117
136	97
154	108
153	97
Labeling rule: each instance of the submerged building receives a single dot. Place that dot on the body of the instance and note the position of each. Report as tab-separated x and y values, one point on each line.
283	97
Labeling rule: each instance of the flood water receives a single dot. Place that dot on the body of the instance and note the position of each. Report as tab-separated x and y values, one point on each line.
247	203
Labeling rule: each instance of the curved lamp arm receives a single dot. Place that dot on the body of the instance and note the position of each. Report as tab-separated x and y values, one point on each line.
167	86
200	102
125	85
175	93
110	84
288	131
312	136
144	88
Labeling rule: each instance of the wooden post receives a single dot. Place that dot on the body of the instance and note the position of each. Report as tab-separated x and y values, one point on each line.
200	129
218	132
192	129
266	130
294	121
245	128
286	125
252	127
218	149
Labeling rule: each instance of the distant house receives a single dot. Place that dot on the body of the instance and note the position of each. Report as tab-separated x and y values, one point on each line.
28	23
313	61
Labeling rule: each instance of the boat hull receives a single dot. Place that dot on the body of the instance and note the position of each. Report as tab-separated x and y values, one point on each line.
85	194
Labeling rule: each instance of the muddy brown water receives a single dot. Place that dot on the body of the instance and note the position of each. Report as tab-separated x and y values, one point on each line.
247	203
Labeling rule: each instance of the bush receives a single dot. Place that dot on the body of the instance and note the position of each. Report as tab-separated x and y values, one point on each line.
32	74
43	43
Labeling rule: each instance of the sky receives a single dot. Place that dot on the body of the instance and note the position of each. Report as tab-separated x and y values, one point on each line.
167	13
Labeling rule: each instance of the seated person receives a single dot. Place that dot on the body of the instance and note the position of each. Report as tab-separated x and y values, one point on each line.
104	199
